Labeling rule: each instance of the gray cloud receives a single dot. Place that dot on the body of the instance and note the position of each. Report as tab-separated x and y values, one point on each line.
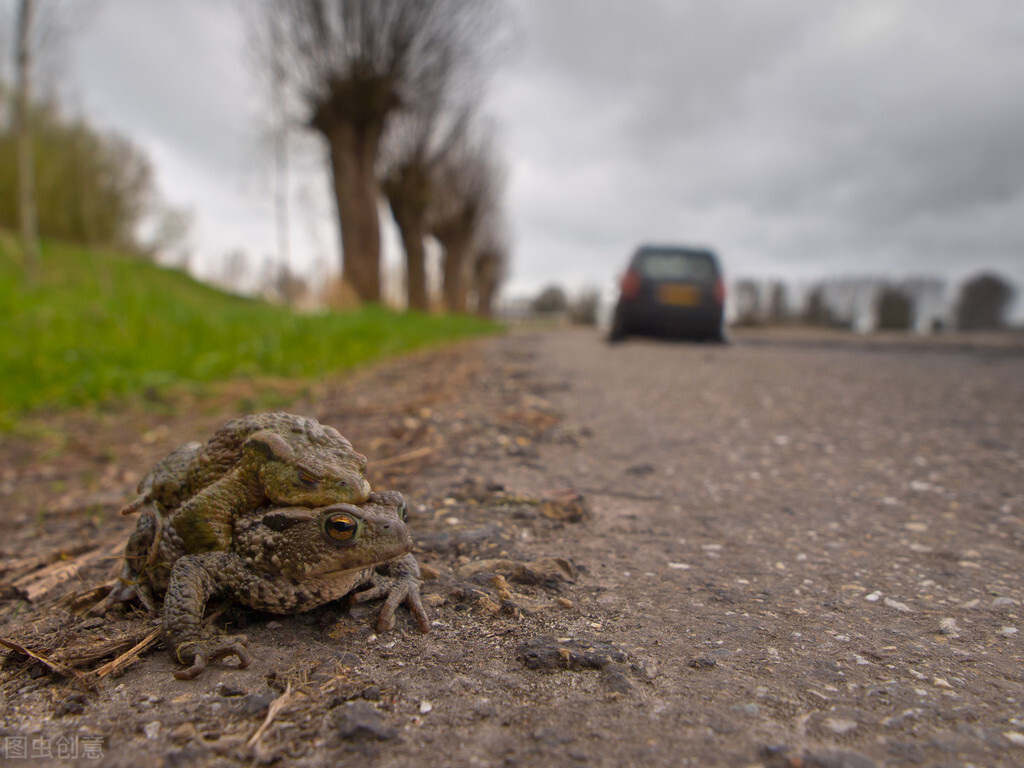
799	137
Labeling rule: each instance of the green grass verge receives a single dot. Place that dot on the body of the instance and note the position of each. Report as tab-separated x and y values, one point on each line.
98	326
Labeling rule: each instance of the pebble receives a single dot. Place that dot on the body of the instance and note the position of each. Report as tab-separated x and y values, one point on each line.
152	729
897	605
426	707
948	627
1008	631
840	725
568	653
837	760
1005	602
361	721
254	704
1014	737
616	681
874	597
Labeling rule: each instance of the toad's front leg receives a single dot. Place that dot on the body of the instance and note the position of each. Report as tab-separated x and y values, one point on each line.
194	580
401	585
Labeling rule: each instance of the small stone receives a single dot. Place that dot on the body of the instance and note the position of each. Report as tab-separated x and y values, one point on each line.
874	597
641	469
370	693
568	653
361	721
1014	737
254	704
897	605
616	681
679	566
1005	602
152	729
426	707
840	725
1008	631
428	572
183	732
702	662
837	760
941	682
949	628
563	602
230	689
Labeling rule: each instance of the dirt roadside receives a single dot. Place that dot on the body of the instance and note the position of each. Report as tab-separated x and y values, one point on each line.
647	554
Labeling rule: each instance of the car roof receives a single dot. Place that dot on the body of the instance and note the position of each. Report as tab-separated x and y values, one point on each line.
680	249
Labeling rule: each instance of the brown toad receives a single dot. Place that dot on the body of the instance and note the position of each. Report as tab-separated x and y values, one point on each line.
267	458
281	560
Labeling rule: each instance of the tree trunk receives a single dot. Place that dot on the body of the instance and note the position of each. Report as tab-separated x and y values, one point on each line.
26	167
486	286
356	191
456	248
413	228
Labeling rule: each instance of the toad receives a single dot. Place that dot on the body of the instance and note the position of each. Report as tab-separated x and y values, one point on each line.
281	560
268	458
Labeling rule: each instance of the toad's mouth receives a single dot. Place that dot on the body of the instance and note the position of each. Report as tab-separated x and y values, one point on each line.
340	573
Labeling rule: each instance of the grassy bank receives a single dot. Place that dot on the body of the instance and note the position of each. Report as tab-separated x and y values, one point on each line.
99	326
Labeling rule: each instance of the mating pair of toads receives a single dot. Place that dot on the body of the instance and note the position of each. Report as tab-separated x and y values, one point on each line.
274	512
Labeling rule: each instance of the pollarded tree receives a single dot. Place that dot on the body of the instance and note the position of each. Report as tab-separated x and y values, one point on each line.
350	64
415	146
490	264
466	190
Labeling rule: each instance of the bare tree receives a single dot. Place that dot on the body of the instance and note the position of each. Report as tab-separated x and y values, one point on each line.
23	105
415	146
490	264
467	185
351	64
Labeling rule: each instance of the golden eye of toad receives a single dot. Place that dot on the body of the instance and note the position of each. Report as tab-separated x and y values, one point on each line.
341	527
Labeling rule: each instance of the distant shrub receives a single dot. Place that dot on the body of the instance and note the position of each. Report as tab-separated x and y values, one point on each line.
551	299
983	303
895	310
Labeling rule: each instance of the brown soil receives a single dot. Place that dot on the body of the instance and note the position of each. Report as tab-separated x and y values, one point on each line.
790	553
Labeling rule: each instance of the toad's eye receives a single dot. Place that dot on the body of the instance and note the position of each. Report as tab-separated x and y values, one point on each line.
308	479
341	527
403	512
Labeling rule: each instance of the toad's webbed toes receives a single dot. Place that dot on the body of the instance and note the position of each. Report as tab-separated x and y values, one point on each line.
398	590
202	652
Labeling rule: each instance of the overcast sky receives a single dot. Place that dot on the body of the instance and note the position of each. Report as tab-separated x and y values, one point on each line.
799	138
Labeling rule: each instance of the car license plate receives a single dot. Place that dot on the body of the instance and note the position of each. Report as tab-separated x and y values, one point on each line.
679	295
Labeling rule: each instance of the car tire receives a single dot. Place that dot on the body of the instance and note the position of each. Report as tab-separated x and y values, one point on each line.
617	332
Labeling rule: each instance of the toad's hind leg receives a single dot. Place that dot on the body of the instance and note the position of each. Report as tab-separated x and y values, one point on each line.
192	584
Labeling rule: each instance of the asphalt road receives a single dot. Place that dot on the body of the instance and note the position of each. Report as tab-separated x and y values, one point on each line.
817	547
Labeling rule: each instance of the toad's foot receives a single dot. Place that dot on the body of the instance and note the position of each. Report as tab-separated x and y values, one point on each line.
402	586
201	652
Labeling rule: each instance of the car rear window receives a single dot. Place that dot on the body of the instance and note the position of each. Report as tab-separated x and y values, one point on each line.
677	265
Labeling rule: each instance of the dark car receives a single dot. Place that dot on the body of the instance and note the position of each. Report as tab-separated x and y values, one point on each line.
671	291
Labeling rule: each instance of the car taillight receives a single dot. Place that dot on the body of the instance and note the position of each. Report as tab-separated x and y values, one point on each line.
719	291
630	285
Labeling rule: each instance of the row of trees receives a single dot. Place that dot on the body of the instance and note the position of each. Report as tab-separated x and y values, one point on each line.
393	87
922	304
